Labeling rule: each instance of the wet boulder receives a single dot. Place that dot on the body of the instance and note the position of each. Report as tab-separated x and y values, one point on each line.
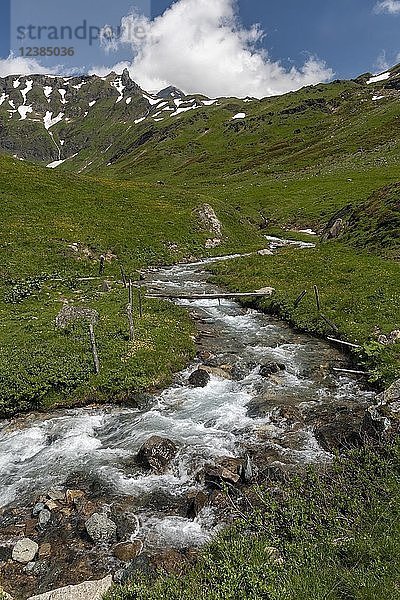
223	371
241	370
339	429
230	471
127	551
100	528
197	500
199	378
140	567
271	368
156	454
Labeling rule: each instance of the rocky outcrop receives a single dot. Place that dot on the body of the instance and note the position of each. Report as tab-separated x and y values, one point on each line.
210	222
337	225
90	590
384	416
157	453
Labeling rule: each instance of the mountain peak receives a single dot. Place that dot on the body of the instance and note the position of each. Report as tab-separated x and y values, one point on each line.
171	92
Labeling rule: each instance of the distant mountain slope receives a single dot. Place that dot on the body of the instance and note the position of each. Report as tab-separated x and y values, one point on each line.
111	125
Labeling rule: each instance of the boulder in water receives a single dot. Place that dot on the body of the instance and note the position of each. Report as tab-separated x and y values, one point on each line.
271	368
127	551
199	378
225	471
156	453
100	528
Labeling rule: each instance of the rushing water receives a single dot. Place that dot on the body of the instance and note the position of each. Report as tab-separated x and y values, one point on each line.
41	451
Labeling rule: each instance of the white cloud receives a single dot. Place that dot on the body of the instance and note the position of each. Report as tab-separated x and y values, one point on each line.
381	63
388	6
20	66
200	46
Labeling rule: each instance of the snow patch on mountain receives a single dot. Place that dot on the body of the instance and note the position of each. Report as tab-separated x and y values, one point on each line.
379	78
50	121
62	93
24	111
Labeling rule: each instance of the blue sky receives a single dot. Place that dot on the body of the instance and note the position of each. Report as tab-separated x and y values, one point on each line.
348	35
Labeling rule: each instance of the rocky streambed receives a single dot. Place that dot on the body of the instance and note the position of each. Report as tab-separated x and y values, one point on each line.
96	491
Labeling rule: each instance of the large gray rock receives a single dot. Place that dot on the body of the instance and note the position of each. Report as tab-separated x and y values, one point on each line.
25	551
100	528
90	590
384	416
337	226
156	453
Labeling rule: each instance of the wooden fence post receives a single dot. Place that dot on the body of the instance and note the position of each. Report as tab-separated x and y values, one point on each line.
317	298
130	313
140	302
102	264
329	322
300	298
94	349
123	276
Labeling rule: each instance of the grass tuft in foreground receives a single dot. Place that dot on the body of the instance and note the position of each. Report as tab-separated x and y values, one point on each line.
333	535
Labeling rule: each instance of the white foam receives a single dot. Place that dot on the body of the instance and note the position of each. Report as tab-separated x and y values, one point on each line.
176	532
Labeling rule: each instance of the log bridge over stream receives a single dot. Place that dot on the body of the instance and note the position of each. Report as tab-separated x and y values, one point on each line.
220	296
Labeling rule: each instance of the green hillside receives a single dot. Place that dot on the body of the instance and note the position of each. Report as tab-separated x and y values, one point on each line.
134	171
